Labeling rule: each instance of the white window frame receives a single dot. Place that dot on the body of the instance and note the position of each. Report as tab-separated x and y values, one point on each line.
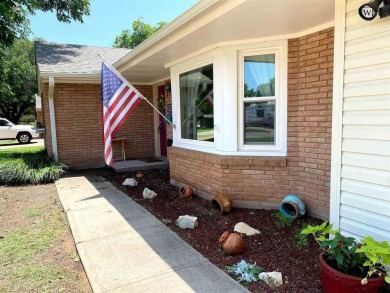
213	58
279	148
228	109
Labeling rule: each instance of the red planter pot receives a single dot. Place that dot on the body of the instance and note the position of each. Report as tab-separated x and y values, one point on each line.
334	281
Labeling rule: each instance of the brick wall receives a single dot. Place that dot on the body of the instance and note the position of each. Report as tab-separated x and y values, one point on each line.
78	111
263	182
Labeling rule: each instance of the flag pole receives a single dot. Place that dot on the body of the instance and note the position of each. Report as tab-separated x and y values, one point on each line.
138	93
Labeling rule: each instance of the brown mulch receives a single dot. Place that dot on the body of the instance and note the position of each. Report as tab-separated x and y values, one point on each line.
274	249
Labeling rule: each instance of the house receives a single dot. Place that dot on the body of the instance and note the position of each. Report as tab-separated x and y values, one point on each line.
268	98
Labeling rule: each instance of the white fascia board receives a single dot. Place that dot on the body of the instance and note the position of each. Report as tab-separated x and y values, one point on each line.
252	41
174	31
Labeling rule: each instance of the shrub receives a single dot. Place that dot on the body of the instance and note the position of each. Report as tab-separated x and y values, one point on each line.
28	119
282	221
23	166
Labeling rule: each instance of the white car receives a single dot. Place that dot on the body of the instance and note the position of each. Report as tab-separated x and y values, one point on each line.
23	133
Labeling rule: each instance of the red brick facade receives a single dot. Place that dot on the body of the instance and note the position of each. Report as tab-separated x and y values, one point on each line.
78	116
264	181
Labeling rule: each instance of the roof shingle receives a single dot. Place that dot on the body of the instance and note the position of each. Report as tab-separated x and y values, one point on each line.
77	59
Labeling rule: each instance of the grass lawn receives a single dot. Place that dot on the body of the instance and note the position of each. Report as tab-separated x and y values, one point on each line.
37	252
28	165
7	142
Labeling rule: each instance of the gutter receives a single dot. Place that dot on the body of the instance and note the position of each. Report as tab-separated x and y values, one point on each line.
52	119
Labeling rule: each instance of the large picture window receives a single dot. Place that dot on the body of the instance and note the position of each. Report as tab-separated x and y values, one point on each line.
259	99
197	104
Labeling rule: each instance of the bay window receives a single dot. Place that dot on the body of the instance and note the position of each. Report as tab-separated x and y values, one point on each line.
232	100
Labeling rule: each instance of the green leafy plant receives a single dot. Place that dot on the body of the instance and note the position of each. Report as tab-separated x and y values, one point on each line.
282	221
246	272
300	239
347	255
23	166
377	255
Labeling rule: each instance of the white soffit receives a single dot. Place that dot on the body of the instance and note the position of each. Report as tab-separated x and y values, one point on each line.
223	22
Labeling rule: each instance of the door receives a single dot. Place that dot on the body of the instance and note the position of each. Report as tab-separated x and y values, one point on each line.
162	128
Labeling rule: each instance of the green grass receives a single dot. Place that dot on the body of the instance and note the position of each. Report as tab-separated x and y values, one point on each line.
34	212
22	268
29	165
7	142
20	244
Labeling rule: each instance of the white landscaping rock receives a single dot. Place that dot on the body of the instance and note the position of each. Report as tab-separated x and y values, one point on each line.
187	222
245	229
130	182
148	194
273	279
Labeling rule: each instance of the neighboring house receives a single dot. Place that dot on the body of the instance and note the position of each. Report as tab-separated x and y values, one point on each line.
269	66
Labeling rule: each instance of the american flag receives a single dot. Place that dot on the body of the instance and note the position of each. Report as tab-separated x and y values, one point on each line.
209	98
119	99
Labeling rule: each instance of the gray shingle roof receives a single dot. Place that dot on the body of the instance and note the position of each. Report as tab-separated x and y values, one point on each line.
78	59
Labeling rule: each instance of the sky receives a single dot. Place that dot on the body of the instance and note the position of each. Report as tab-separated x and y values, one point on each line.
107	20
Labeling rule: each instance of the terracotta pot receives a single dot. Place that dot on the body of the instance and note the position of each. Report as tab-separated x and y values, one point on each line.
334	281
186	191
231	243
222	202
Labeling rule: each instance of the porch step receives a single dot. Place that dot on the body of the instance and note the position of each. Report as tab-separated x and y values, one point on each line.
138	165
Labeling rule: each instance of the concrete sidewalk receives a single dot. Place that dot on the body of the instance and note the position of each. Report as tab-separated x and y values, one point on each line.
124	248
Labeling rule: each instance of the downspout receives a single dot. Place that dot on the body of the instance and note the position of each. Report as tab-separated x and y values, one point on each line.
52	119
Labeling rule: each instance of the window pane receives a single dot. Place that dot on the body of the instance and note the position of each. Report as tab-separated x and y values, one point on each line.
197	104
259	123
259	76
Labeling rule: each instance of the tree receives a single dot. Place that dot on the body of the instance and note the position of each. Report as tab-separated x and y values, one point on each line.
141	31
17	79
15	24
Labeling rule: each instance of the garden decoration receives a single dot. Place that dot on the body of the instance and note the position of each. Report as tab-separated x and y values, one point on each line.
222	202
148	194
130	182
187	222
231	243
246	272
243	228
186	192
349	266
272	279
292	207
139	175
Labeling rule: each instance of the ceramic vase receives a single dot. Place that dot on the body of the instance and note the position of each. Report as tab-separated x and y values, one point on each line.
231	243
186	191
222	202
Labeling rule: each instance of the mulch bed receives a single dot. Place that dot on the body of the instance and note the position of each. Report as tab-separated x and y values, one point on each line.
274	249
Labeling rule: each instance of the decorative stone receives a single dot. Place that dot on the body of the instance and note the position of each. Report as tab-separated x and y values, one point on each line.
273	279
130	182
148	194
243	228
187	222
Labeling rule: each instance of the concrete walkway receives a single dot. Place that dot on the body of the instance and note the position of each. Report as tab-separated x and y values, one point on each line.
124	248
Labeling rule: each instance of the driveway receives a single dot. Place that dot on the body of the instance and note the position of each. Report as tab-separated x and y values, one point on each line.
34	143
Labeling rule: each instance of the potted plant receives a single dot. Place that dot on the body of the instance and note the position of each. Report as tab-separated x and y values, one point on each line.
349	266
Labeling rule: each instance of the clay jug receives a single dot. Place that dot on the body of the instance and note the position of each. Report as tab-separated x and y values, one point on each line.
222	202
231	243
186	191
